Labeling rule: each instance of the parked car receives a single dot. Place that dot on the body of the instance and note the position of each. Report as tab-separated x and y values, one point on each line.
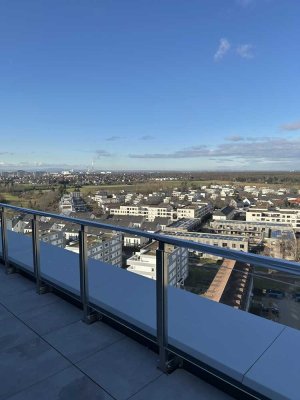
277	294
273	310
297	296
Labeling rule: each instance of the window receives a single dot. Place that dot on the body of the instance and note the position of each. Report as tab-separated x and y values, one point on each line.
242	246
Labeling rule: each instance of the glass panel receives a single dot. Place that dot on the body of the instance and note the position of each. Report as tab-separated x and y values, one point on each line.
122	277
276	296
19	238
59	253
215	312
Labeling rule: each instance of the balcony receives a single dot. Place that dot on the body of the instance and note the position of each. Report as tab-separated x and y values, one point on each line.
132	326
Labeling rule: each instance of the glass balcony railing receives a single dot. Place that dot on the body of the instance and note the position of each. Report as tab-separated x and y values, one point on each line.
161	287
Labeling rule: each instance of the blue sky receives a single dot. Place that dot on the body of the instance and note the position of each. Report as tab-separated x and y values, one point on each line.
150	84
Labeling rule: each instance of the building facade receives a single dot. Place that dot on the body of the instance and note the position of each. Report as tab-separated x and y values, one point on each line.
144	263
239	243
281	215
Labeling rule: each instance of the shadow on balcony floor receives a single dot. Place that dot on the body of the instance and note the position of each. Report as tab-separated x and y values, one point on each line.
46	352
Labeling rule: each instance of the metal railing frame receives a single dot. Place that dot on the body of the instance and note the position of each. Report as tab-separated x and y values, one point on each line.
162	268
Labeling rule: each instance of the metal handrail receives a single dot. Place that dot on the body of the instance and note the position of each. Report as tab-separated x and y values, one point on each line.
245	257
161	259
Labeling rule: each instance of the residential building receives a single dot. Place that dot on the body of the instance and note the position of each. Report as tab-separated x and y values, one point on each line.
53	238
72	202
254	230
200	210
149	212
184	225
282	215
281	244
103	247
144	263
224	214
231	242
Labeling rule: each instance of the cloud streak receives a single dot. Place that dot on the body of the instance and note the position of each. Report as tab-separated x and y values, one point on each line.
224	47
294	126
282	150
234	138
146	137
113	138
102	153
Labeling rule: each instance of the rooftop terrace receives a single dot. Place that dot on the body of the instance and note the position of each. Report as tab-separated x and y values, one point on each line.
47	352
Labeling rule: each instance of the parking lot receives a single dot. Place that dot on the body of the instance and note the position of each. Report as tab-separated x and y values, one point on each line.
288	310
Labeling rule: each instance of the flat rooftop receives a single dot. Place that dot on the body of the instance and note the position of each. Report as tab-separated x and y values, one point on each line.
286	235
198	235
150	249
47	352
184	223
250	223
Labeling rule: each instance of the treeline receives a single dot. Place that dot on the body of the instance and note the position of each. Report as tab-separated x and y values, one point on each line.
250	177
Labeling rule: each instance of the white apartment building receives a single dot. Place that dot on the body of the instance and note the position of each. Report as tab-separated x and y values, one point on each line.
144	263
162	210
281	215
105	247
252	229
53	238
72	202
200	211
134	240
239	243
149	212
105	198
66	204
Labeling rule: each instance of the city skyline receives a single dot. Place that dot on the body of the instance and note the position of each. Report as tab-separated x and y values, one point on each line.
150	86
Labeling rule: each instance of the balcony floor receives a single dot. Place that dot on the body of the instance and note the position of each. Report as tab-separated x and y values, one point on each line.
46	352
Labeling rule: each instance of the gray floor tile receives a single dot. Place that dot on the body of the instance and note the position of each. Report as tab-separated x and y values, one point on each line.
13	332
79	340
26	301
123	368
69	384
180	385
51	317
13	284
26	364
4	313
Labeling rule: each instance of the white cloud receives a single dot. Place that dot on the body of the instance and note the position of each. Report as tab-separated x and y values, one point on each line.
224	47
294	126
102	153
234	138
279	150
245	51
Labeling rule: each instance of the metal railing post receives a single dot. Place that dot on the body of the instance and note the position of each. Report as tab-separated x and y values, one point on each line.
162	306
4	239
40	288
8	268
88	317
